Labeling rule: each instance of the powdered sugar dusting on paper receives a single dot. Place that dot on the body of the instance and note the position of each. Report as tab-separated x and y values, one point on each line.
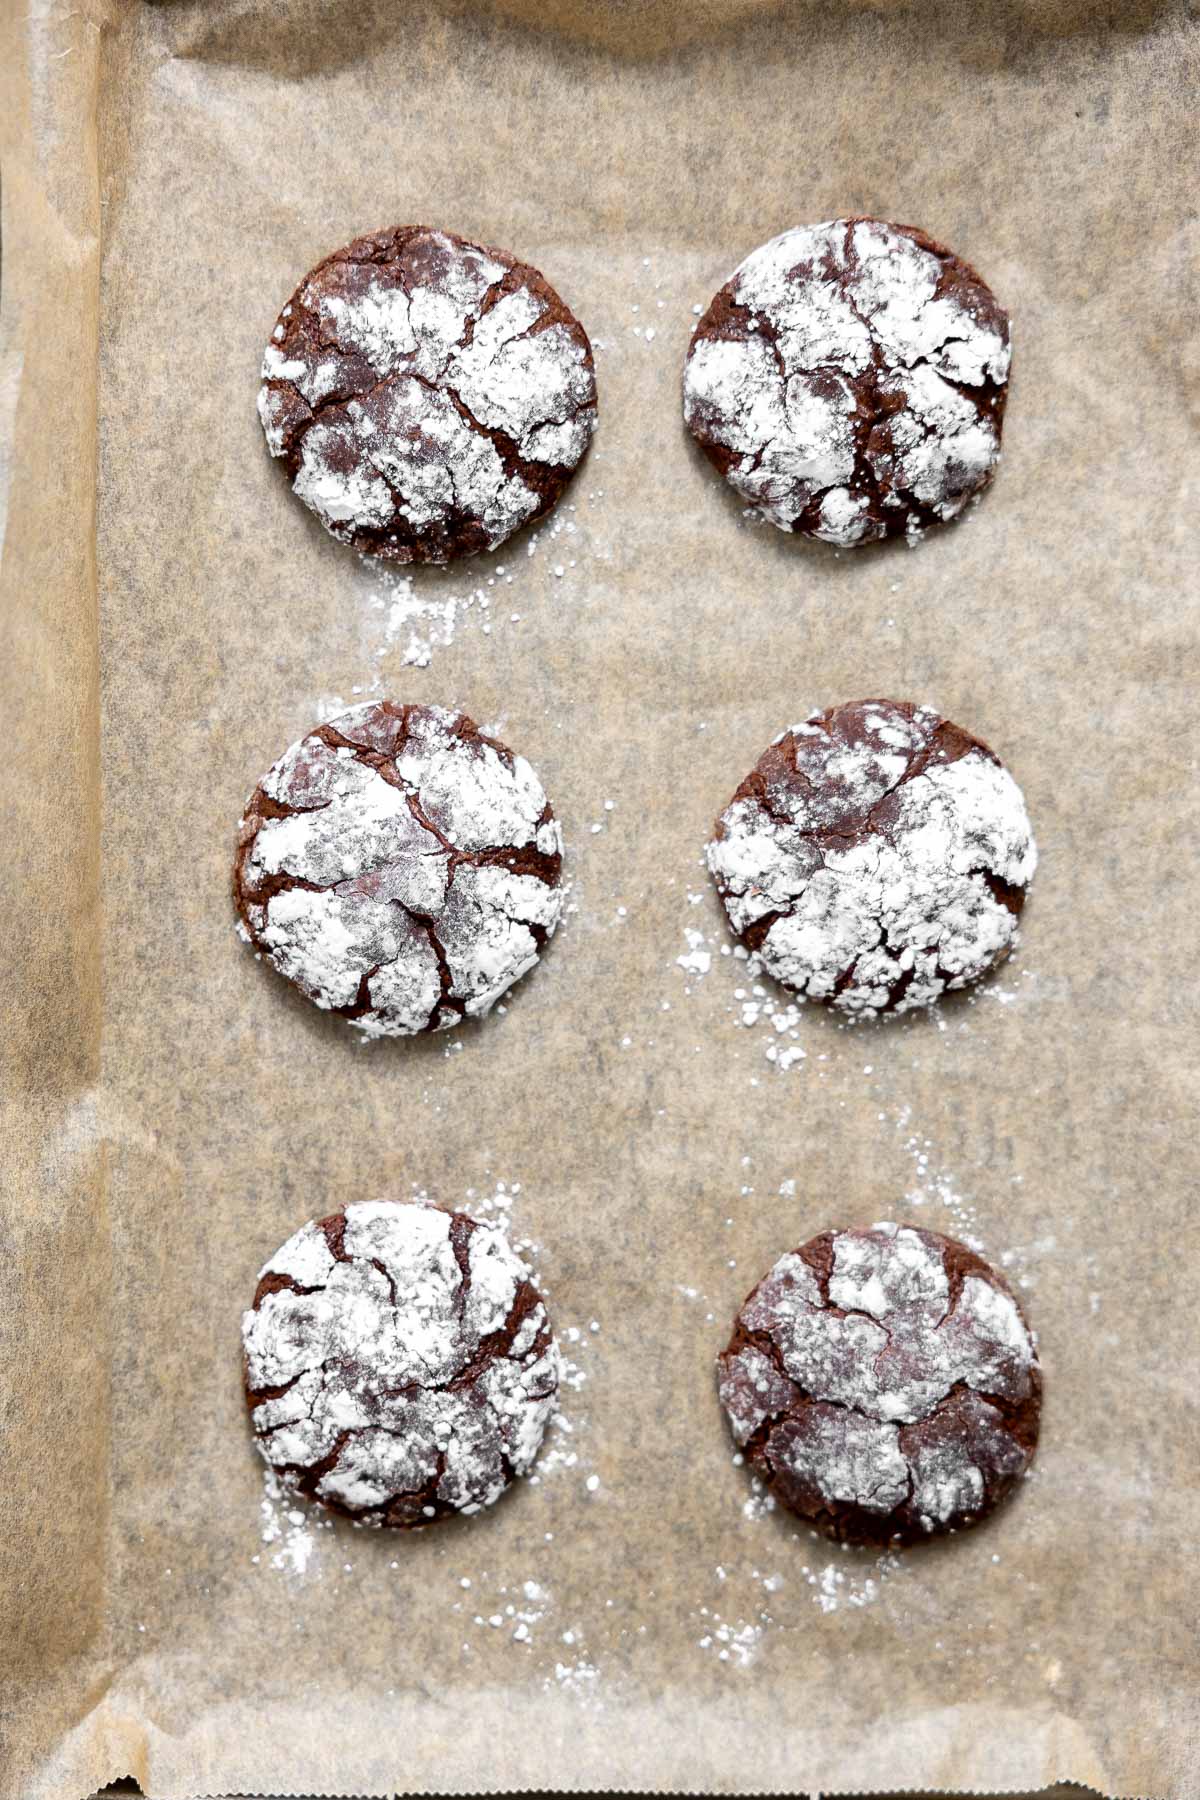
934	1185
738	1620
736	1641
408	615
290	1529
754	1006
852	1580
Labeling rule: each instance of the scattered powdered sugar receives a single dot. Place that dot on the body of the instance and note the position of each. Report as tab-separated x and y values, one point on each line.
697	959
760	1503
855	1580
855	393
412	392
741	1612
398	866
836	1577
933	1185
868	866
780	1043
1027	987
410	614
574	1672
290	1528
518	1609
365	1365
753	1007
737	1642
1021	1262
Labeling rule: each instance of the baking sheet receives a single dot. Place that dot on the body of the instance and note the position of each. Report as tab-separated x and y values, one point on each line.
656	1129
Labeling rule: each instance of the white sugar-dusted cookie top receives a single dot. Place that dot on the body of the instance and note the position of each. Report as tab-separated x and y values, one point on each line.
883	1337
884	1375
398	865
399	1363
430	397
849	381
876	858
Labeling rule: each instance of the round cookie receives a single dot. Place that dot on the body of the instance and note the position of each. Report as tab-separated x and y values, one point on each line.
428	396
883	1384
399	1364
849	381
875	857
400	868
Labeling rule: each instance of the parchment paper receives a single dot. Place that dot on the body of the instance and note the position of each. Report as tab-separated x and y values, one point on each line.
174	619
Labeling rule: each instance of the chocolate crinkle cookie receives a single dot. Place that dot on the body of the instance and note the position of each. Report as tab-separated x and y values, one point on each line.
883	1384
875	857
849	381
428	396
399	1363
400	868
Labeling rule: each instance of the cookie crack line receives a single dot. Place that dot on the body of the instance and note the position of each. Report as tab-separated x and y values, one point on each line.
919	763
447	997
869	415
533	862
486	304
763	1342
903	365
425	921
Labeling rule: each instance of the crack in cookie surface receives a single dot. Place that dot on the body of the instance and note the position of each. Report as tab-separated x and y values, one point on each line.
849	381
884	1384
428	396
400	868
399	1363
876	857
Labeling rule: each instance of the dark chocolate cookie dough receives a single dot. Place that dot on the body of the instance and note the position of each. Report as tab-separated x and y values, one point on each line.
875	857
849	381
883	1384
428	396
400	868
399	1364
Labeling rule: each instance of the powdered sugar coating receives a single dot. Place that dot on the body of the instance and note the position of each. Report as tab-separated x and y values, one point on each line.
429	396
399	1363
849	381
884	1383
876	857
400	868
